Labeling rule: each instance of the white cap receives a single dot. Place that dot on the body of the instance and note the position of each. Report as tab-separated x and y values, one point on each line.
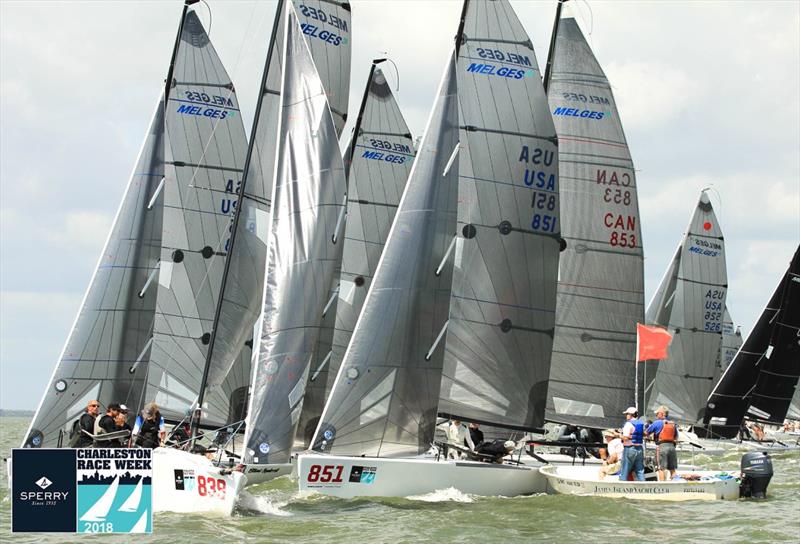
509	445
632	411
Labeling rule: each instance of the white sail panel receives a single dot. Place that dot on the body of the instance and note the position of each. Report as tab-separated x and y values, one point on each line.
684	381
205	152
405	310
601	284
301	257
503	300
381	159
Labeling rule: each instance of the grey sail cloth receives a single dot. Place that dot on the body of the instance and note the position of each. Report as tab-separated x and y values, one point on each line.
761	381
731	342
376	176
693	313
385	396
327	31
205	152
601	280
301	257
114	326
502	310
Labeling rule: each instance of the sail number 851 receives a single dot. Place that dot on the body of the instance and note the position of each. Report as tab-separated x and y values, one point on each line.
544	223
325	474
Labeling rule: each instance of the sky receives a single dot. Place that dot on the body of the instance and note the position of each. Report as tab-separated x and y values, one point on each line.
708	93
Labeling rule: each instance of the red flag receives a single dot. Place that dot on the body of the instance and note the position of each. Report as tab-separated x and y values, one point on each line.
652	342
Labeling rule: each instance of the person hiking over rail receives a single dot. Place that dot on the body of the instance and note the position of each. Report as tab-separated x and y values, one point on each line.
665	434
632	440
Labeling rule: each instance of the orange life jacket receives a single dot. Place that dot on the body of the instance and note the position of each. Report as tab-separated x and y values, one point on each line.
669	432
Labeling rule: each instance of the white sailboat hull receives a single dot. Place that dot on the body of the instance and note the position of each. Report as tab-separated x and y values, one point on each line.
347	477
583	481
202	487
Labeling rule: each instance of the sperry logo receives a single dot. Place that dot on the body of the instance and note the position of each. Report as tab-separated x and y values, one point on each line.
43	482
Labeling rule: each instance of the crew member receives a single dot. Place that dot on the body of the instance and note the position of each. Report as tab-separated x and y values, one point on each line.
632	440
149	431
457	435
86	423
665	434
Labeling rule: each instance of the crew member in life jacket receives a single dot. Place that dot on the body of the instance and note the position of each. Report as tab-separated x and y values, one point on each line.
665	433
149	431
633	442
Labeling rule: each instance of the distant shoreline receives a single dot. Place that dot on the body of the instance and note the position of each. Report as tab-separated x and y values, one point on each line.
16	413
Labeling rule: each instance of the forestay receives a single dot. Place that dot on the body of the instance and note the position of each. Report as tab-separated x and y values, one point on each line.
693	312
506	244
760	382
384	399
112	331
601	278
301	257
377	166
205	152
327	30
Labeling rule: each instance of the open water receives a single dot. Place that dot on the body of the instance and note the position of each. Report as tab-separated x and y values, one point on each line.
273	512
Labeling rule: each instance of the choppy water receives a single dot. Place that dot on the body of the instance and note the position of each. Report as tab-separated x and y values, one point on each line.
273	512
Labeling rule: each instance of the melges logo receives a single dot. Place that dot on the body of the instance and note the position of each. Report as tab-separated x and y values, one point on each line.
502	71
577	112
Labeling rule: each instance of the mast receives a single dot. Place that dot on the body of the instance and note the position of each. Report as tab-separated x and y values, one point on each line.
195	423
168	82
551	51
357	127
460	32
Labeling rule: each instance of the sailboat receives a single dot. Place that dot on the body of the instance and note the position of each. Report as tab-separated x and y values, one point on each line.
100	509
601	275
466	206
131	504
301	256
377	163
142	331
690	303
731	342
230	354
762	380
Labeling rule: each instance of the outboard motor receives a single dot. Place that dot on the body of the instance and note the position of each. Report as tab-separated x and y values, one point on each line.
756	474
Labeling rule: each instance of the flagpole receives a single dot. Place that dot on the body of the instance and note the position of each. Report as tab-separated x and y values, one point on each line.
636	372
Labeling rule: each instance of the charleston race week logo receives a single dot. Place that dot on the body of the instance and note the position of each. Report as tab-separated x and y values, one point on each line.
92	490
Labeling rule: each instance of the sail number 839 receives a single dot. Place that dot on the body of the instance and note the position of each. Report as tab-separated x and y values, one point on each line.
211	487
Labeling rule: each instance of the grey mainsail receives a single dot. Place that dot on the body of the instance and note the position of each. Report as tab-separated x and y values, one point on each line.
306	201
205	152
112	331
326	26
601	277
506	244
377	163
691	306
385	396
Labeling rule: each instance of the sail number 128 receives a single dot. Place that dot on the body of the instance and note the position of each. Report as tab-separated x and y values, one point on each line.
325	474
